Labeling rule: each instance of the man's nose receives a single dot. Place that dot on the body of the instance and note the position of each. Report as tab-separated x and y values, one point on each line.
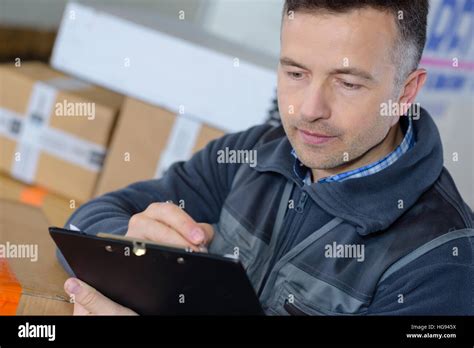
315	105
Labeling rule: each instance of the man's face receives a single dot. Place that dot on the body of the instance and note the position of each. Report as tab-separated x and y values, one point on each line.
334	73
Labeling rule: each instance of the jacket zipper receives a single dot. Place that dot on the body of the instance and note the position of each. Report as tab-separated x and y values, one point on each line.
292	236
299	209
300	206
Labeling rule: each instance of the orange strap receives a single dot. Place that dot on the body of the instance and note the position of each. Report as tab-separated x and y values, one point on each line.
10	289
33	196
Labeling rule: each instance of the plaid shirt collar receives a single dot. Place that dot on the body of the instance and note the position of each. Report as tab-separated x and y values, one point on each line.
407	143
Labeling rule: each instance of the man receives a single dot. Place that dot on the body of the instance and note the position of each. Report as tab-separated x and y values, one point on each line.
349	210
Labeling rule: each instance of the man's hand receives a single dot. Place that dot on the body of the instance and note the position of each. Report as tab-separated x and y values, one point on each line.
88	301
168	224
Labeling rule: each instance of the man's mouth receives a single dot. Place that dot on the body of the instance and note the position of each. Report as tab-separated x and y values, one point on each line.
314	138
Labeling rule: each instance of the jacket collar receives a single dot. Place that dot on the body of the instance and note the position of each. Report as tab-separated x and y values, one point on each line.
372	203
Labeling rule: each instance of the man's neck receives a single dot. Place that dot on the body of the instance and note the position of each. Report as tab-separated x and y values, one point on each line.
389	144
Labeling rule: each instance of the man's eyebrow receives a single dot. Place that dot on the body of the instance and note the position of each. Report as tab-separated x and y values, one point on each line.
347	71
353	71
291	62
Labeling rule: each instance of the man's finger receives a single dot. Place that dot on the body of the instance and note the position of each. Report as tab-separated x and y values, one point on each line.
92	300
144	227
208	230
80	310
175	217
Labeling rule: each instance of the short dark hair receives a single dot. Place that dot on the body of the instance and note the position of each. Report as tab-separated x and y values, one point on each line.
412	28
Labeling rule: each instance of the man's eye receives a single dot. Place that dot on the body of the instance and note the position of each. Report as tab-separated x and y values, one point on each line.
295	75
350	86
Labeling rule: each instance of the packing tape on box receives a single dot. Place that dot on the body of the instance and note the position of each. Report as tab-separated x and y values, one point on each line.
38	112
34	135
180	143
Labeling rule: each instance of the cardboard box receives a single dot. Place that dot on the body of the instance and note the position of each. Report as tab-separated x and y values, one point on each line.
147	140
166	62
54	130
31	279
57	209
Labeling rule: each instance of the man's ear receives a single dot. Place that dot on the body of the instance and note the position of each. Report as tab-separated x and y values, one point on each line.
413	83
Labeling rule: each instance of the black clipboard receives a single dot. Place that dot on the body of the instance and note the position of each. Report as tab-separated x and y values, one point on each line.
154	279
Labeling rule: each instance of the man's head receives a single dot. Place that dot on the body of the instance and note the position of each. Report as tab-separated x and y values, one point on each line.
340	61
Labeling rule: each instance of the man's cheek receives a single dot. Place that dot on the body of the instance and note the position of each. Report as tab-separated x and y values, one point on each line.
287	108
288	102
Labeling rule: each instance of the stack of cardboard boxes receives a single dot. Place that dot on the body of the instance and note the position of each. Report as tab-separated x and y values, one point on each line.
64	140
56	133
